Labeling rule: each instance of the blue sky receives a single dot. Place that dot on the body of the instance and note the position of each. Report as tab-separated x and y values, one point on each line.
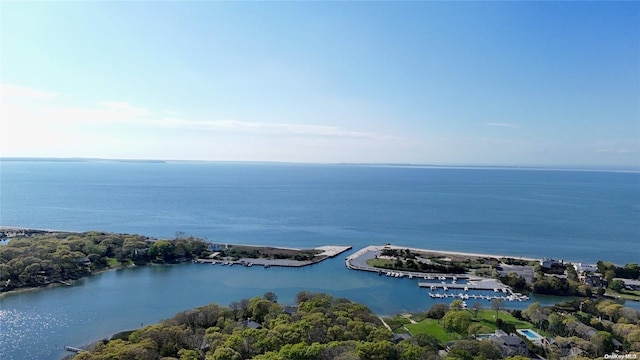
500	83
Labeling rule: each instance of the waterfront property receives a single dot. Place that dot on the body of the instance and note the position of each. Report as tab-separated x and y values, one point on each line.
532	336
436	281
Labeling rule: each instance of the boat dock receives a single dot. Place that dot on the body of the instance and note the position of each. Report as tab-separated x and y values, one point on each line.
73	349
484	284
465	296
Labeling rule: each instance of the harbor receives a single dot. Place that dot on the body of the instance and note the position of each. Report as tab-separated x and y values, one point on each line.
462	286
474	284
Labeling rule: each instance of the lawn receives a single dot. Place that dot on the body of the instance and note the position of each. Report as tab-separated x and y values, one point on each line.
485	317
113	262
396	322
380	263
626	294
431	327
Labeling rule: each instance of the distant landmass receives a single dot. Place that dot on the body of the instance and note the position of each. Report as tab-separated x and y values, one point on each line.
452	166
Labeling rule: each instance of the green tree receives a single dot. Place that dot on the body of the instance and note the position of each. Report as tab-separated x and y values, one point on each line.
270	296
225	353
185	354
161	250
616	285
456	305
497	305
477	328
437	311
603	342
476	307
379	350
457	321
556	324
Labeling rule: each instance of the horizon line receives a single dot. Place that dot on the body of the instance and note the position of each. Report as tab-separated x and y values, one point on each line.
566	167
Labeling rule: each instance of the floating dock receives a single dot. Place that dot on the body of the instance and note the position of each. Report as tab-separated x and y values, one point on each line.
73	349
484	284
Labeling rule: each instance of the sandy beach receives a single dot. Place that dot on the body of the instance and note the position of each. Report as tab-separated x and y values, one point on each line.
441	252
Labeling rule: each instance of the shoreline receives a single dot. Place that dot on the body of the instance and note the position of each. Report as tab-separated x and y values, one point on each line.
56	284
459	253
358	261
435	252
7	233
329	251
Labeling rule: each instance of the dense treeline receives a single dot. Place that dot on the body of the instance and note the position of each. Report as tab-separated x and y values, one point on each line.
610	271
592	327
407	260
44	259
320	327
549	284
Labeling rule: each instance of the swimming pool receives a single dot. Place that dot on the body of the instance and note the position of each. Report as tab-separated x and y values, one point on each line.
530	334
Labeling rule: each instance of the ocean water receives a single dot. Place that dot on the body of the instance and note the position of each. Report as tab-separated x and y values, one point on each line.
581	216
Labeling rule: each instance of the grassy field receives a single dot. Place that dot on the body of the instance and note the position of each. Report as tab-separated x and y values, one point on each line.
113	262
626	294
380	263
396	322
485	317
431	327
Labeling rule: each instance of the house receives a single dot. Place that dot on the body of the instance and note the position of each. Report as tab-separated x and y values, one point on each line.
511	344
84	261
581	330
630	284
251	324
595	281
550	263
290	309
214	247
585	268
399	337
566	348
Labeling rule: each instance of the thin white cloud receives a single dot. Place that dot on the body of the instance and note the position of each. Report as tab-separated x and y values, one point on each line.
507	125
112	115
615	151
124	108
8	91
275	128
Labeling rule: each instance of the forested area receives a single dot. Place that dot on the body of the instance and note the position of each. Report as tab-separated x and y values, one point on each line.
59	257
591	327
319	327
323	327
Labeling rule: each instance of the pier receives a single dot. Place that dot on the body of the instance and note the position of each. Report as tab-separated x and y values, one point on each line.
465	296
483	284
73	349
328	251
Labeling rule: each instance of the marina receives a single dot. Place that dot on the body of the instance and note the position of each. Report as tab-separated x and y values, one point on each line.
476	284
466	296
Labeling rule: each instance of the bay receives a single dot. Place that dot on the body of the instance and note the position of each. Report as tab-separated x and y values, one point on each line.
575	215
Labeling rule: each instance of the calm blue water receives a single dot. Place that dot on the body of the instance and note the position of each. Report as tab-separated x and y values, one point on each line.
578	216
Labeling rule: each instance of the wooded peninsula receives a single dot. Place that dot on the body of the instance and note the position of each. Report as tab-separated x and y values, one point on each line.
34	258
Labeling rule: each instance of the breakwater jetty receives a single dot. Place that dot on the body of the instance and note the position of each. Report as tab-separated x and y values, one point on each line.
327	251
440	284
